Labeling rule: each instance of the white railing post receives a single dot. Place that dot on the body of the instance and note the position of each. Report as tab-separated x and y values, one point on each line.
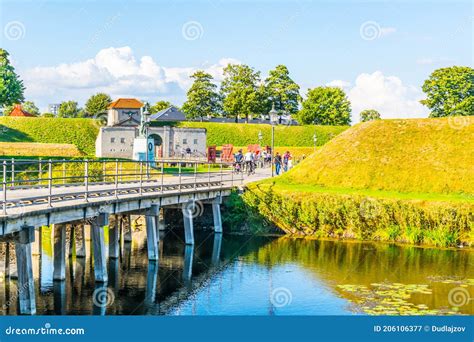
40	172
64	171
12	185
179	176
162	173
86	179
209	174
116	178
195	174
4	187
50	182
141	176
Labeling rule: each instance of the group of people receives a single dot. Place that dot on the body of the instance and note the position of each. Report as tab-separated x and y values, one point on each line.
249	161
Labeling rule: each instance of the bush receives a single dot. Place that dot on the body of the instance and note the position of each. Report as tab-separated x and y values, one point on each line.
438	223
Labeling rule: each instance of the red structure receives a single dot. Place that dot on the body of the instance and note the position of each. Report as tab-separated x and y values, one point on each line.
18	111
211	154
227	155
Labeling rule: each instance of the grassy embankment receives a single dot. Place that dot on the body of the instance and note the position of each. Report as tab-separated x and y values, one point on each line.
392	180
32	133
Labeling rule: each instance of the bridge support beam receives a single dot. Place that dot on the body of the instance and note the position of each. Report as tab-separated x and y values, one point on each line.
127	228
152	236
188	224
59	253
80	240
216	213
114	237
161	220
216	249
26	284
100	261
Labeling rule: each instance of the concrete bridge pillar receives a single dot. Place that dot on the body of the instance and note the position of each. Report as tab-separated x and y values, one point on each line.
80	240
216	213
114	236
188	224
216	249
100	260
127	228
188	263
26	284
36	246
152	236
161	220
59	251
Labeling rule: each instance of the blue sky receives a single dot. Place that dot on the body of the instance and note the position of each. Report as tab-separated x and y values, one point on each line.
54	45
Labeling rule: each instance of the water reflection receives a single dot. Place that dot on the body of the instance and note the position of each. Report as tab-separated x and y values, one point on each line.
223	275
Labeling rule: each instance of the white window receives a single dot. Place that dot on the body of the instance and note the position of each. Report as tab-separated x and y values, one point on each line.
112	140
195	141
185	141
122	140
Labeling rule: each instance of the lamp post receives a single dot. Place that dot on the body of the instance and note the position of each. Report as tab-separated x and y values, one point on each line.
315	140
260	137
144	123
273	121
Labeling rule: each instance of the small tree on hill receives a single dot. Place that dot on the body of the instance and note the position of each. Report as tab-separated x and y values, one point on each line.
282	90
325	106
202	98
159	105
369	115
97	104
240	91
450	91
69	109
11	87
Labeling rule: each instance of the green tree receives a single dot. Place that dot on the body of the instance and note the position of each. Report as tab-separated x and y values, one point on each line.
283	92
97	104
325	106
11	87
450	91
240	91
202	98
160	105
369	114
69	109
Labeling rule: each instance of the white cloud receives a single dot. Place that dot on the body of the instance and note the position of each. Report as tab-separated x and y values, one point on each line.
387	94
339	83
117	72
424	61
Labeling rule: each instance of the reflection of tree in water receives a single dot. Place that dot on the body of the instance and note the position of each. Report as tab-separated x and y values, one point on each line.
341	263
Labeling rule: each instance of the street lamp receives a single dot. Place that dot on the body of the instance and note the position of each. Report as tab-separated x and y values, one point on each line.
315	140
273	121
260	137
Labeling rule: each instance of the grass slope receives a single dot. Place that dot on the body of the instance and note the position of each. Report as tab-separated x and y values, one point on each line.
419	155
79	132
16	149
245	134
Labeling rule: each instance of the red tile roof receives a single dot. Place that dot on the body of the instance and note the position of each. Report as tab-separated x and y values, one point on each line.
126	103
18	111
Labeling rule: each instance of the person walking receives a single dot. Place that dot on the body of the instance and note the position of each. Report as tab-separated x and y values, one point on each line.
277	161
286	158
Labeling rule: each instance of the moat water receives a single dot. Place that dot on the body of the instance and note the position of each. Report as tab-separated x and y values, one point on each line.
239	275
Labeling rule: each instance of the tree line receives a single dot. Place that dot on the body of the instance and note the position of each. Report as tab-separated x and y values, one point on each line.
244	94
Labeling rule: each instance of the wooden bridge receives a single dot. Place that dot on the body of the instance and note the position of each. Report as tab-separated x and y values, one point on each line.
87	194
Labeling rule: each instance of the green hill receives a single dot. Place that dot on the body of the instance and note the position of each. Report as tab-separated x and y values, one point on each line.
419	155
409	181
79	132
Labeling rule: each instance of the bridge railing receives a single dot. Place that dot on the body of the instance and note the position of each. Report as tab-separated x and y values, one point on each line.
28	182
